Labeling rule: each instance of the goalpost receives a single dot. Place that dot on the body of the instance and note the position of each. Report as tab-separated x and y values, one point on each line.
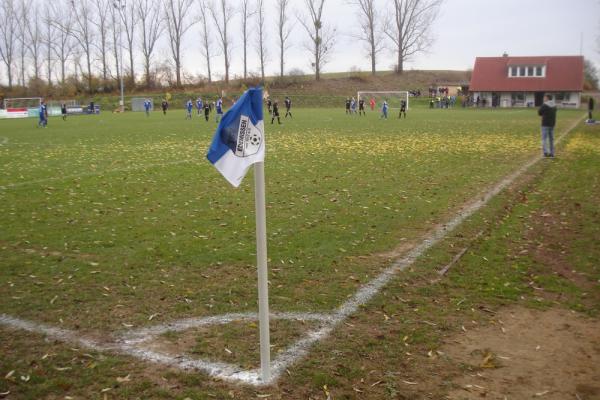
22	102
393	98
137	104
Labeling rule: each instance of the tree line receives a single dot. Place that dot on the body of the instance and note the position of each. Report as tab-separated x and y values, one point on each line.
95	43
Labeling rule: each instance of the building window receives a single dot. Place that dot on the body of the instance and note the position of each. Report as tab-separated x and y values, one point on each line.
562	96
522	71
529	71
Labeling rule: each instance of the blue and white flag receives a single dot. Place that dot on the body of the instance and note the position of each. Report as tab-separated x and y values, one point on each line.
239	140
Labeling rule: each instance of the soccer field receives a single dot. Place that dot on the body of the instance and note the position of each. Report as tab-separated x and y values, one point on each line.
116	221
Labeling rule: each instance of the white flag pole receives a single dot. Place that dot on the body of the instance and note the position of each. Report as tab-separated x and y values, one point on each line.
261	261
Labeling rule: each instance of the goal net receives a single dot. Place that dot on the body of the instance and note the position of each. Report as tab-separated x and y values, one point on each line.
22	103
137	104
393	98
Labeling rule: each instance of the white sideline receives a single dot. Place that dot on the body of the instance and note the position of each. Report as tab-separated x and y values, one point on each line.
132	342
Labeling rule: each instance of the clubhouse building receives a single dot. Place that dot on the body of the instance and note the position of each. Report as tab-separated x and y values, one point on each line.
522	81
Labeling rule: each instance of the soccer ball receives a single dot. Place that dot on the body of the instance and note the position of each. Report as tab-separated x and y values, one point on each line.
255	139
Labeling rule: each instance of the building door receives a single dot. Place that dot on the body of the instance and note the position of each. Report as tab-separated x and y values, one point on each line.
539	98
495	99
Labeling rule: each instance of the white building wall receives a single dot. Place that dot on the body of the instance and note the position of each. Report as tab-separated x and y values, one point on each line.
506	99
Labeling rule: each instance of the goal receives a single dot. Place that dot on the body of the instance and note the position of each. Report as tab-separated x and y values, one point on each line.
22	103
393	98
137	104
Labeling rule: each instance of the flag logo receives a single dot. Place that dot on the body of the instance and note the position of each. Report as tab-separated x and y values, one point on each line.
239	140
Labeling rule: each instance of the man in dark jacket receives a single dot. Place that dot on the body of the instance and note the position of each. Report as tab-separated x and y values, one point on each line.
590	107
548	113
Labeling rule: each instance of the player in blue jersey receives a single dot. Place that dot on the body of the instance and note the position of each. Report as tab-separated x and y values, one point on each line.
147	106
384	110
199	105
188	106
219	108
43	111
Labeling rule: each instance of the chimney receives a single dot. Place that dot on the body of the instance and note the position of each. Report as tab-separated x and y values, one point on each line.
505	54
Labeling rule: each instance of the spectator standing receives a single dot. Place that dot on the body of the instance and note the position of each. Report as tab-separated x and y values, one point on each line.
548	113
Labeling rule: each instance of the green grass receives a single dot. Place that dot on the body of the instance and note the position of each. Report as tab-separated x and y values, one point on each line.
102	212
107	220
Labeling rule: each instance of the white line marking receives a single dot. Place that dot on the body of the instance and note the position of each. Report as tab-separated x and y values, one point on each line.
131	343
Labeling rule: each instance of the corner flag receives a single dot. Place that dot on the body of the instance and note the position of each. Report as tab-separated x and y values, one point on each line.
239	140
238	143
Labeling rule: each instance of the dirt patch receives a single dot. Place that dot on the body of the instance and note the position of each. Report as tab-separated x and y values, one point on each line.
527	354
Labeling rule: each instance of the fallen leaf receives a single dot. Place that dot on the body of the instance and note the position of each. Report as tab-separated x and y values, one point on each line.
410	383
123	379
9	375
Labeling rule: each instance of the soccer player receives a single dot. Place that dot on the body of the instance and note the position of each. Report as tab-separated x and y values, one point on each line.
288	105
269	104
347	105
372	103
199	105
384	110
361	107
219	108
189	105
43	122
63	111
206	110
164	106
147	105
275	113
402	109
353	106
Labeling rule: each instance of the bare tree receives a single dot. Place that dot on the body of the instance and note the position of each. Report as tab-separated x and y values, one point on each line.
48	40
178	23
101	22
246	13
8	31
81	30
22	21
64	44
206	38
368	20
34	39
129	20
260	38
150	17
321	38
409	27
222	13
283	31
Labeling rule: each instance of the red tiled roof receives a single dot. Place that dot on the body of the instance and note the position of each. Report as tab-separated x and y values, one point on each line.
563	73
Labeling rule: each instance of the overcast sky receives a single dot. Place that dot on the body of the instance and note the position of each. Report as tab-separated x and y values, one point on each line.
464	30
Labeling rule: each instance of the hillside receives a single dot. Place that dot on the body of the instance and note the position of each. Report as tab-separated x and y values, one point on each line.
329	91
